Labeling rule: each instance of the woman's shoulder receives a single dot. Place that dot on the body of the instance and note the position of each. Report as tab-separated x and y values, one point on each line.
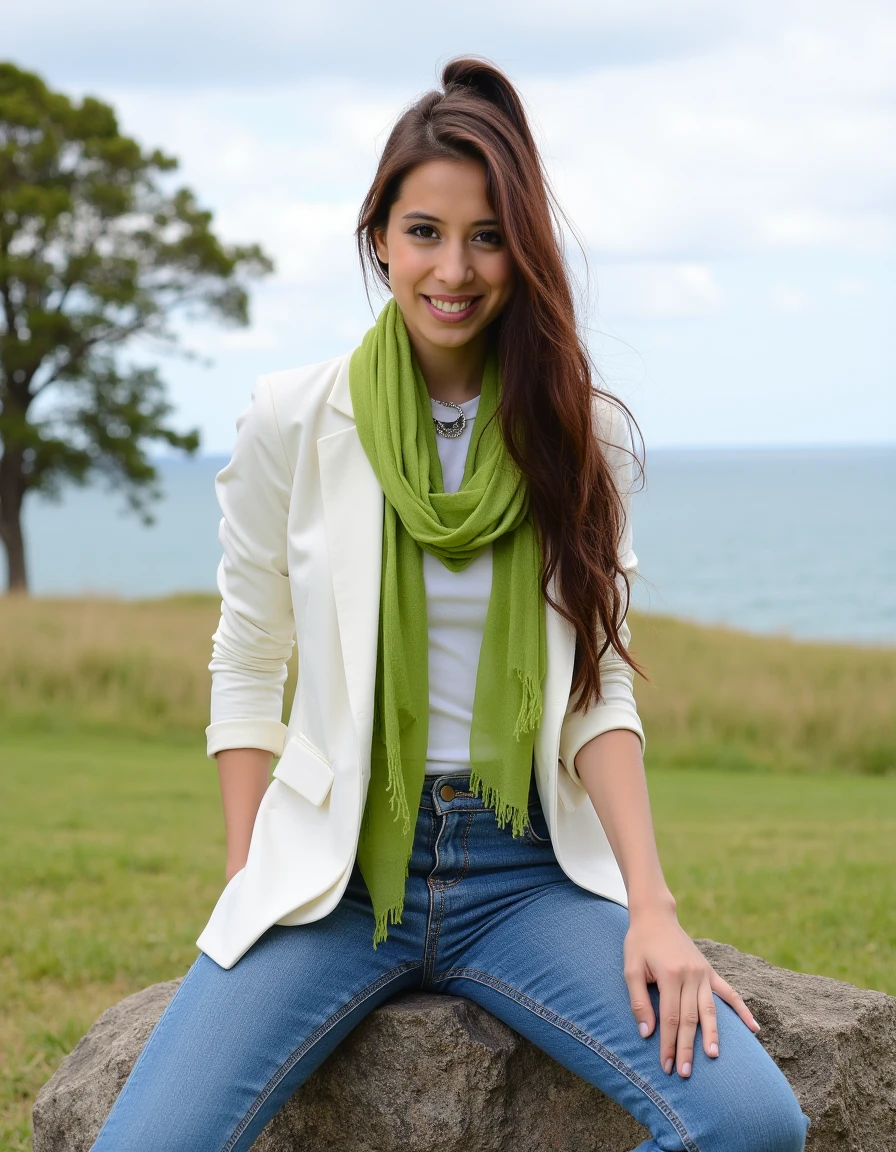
309	401
293	407
612	424
298	392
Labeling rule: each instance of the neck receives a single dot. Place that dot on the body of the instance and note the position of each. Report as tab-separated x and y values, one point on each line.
453	374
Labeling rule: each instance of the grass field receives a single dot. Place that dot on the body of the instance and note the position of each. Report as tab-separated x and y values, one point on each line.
717	698
772	771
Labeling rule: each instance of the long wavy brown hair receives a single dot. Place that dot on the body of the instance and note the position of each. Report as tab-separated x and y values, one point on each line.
547	389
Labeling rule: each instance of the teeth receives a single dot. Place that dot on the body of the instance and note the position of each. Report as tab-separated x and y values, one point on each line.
445	306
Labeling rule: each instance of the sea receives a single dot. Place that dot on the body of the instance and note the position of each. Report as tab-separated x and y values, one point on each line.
796	542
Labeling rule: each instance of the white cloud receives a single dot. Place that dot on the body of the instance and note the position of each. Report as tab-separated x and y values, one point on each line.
686	141
205	42
656	290
851	286
856	232
787	299
776	143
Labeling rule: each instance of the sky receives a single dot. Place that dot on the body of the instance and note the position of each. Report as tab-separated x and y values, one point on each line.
730	170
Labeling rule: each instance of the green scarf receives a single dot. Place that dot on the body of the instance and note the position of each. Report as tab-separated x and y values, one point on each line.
394	420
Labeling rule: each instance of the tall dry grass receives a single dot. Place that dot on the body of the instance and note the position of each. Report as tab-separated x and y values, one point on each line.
717	698
135	667
727	698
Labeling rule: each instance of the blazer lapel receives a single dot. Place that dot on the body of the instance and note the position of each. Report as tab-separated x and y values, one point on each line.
353	517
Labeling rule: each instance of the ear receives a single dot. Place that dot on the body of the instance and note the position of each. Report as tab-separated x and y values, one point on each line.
379	242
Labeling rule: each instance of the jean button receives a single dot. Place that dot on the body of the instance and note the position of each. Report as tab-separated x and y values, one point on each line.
446	792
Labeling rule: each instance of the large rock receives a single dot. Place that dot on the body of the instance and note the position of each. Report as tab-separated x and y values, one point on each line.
496	1092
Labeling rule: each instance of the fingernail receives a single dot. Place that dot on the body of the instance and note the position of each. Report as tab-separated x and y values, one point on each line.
713	1049
685	1069
756	1024
643	1028
668	1065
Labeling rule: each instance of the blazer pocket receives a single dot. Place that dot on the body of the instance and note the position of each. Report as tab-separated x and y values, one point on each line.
305	770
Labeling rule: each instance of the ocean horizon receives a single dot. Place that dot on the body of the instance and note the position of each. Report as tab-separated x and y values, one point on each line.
797	541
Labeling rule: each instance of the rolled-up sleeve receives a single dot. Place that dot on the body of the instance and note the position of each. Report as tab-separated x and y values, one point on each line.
617	707
256	629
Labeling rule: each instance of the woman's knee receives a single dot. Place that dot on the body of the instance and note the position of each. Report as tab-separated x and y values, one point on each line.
787	1129
766	1118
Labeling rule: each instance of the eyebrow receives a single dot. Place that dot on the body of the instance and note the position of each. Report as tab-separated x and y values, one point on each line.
436	220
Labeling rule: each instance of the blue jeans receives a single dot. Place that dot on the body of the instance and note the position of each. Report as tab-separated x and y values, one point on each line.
487	916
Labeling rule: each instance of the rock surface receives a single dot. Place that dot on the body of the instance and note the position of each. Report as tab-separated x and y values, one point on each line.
835	1043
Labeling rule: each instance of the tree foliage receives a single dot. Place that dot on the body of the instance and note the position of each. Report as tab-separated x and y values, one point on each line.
94	252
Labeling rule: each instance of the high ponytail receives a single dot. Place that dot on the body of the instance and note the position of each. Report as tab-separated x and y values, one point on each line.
489	84
547	395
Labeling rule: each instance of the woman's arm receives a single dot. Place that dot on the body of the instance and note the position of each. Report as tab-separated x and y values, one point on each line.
256	628
656	946
611	768
244	775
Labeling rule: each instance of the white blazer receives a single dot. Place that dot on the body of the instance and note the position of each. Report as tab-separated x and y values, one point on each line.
302	539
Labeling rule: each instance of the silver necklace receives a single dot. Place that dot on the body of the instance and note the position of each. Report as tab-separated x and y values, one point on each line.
455	428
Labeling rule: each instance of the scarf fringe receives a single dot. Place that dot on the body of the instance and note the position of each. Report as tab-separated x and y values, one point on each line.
529	716
504	812
396	787
394	913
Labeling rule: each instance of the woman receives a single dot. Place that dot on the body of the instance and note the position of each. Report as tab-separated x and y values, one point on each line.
441	517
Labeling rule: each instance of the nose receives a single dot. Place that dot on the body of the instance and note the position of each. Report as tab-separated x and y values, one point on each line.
453	268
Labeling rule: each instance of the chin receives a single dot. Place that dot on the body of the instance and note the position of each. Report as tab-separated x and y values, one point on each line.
453	339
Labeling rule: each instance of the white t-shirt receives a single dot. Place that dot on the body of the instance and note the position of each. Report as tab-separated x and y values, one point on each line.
456	605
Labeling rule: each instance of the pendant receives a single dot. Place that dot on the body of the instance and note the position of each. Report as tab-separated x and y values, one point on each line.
455	428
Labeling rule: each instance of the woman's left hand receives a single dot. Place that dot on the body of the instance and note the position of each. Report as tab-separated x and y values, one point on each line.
658	949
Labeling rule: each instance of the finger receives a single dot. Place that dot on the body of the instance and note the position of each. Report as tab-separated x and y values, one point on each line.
642	1009
709	1024
727	993
670	1015
687	1028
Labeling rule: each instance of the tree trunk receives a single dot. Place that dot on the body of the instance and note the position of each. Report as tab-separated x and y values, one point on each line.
14	544
12	490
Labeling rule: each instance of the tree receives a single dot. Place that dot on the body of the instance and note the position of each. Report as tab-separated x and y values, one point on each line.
93	253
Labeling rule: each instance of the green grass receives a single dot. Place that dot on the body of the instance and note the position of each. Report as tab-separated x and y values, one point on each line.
112	853
716	697
772	770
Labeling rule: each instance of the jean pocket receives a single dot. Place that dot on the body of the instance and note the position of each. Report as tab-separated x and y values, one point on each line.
537	830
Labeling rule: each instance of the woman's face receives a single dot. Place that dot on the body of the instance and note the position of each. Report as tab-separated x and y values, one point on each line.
444	246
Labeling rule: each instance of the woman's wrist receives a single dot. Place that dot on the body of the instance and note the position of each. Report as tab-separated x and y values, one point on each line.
235	862
652	901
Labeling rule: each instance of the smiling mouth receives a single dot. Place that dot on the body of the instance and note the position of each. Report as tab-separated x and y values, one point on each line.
452	309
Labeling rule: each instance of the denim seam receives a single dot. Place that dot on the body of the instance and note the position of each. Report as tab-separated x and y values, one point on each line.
309	1042
440	888
577	1033
443	884
437	886
434	882
429	962
431	946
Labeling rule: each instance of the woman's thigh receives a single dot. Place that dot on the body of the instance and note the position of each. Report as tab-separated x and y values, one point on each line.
551	966
234	1044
